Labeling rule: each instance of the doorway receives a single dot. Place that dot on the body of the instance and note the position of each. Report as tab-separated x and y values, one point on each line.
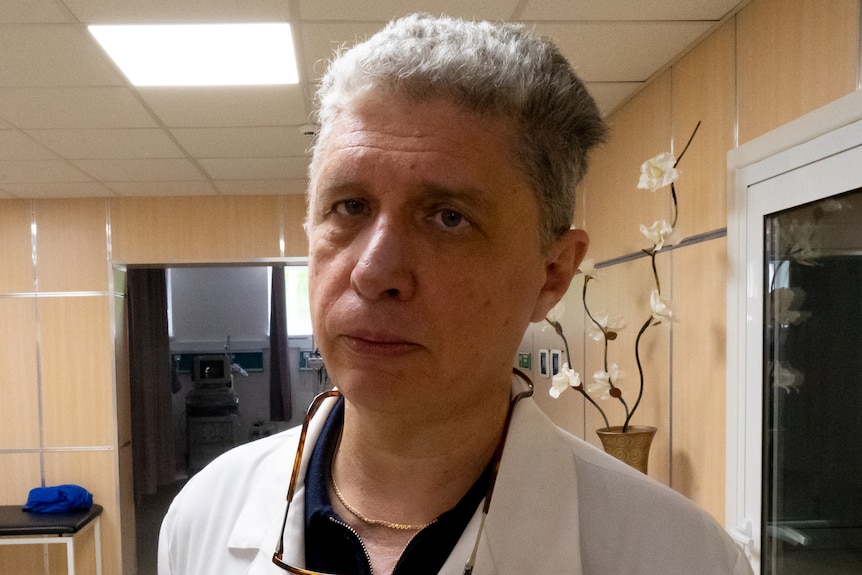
210	311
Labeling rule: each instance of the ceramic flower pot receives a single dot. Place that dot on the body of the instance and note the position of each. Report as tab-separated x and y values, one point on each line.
631	447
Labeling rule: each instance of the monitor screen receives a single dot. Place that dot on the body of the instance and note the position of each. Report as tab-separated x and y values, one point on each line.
212	370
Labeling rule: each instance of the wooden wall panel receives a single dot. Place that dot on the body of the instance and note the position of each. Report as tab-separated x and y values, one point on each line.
22	559
21	473
195	229
77	378
699	367
71	245
16	247
295	239
703	90
624	289
794	56
19	388
613	207
95	471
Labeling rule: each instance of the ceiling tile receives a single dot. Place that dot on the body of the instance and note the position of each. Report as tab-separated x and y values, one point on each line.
181	188
254	187
227	106
628	10
108	144
143	170
638	51
58	190
384	10
64	108
63	103
28	171
53	56
320	40
255	168
243	142
171	11
15	145
33	11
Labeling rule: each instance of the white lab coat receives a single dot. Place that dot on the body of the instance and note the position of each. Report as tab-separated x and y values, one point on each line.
560	506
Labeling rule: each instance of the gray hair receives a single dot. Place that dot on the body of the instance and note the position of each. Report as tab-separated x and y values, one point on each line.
496	70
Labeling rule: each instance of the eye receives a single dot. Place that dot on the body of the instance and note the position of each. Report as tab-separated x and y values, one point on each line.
351	207
452	219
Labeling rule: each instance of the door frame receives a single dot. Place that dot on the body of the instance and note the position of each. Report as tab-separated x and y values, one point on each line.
817	136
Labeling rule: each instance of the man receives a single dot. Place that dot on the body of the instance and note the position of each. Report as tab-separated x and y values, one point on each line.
441	198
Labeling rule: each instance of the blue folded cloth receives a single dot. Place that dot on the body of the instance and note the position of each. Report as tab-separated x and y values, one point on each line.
58	499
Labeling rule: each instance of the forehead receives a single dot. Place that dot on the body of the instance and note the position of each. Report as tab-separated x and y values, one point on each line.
428	139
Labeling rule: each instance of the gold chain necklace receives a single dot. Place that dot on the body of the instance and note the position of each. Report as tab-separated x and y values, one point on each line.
381	522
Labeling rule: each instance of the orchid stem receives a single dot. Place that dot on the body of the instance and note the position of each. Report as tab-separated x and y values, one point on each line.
596	405
687	144
569	360
655	272
605	339
640	373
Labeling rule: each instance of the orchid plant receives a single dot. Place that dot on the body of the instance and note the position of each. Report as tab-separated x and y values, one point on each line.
656	173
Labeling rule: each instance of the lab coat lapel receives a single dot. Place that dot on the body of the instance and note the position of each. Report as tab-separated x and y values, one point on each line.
532	525
259	524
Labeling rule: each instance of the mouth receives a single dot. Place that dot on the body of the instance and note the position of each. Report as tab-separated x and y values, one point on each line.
374	343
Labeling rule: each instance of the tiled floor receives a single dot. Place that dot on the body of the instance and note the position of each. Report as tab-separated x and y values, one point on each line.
148	518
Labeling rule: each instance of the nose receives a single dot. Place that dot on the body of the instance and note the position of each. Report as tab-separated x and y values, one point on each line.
383	269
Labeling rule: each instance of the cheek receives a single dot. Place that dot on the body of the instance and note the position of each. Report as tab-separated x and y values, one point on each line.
488	307
323	278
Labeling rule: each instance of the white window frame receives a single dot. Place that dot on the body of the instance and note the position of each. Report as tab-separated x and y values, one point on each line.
816	137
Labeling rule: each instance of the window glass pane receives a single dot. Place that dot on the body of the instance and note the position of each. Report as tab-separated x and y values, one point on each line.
812	466
296	293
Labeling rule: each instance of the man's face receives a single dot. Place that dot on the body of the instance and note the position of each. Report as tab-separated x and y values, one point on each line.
424	254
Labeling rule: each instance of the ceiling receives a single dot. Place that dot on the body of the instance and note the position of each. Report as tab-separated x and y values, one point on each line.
71	125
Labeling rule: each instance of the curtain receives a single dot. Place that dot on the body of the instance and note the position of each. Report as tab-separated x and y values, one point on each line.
153	453
279	372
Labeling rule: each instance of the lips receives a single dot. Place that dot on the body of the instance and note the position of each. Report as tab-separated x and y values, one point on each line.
377	343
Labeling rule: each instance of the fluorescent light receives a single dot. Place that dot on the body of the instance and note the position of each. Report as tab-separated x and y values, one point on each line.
201	54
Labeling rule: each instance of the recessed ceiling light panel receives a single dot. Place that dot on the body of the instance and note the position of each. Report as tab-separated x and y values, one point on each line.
201	54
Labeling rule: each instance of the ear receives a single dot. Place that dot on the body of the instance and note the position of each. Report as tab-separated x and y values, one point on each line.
562	262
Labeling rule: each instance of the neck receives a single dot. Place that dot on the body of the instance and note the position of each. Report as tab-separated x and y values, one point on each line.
410	470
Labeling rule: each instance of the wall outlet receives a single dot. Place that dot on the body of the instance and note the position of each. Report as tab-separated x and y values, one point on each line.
525	360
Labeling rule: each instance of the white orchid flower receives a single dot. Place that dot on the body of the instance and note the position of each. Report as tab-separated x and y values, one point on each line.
661	234
602	381
588	268
555	315
788	301
661	308
565	379
797	240
787	378
832	205
607	323
658	172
